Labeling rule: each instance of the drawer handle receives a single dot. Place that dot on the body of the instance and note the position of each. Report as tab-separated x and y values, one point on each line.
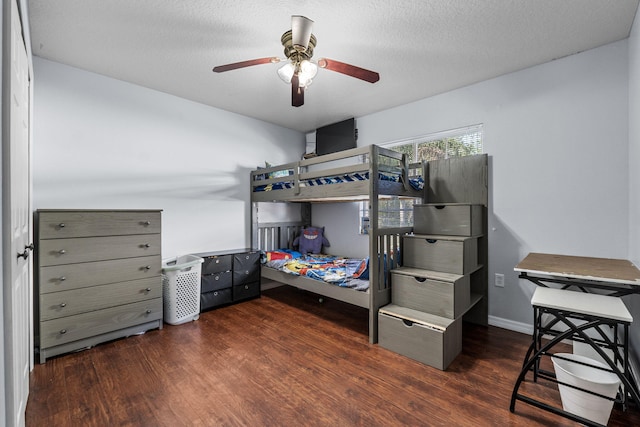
247	257
217	277
63	331
62	251
148	267
420	279
148	290
432	241
146	245
148	311
215	294
146	223
407	323
62	225
217	261
246	287
62	279
63	305
440	207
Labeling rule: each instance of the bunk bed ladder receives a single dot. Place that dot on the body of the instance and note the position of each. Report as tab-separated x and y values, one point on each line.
387	247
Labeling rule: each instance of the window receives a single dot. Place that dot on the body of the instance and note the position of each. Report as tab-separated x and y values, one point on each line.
461	142
442	145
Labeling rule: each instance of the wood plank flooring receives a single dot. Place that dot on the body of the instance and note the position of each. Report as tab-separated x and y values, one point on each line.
286	359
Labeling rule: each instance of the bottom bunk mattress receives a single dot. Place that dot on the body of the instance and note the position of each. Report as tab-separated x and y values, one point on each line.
344	272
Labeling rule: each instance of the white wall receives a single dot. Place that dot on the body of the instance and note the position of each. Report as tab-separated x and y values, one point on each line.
634	168
557	139
103	143
557	136
343	235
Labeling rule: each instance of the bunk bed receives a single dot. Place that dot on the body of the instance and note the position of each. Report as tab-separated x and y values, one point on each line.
368	174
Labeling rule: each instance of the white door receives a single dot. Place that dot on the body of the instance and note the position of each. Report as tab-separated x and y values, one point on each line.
16	208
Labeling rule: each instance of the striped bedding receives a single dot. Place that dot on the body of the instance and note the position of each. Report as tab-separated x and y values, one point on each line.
417	182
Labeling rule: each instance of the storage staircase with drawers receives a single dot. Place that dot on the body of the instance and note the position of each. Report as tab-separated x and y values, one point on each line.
443	275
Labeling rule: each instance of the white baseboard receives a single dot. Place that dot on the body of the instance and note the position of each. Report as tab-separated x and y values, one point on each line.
500	322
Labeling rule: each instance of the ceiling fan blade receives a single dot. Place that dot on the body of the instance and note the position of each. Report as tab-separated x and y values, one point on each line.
349	70
297	92
243	64
301	27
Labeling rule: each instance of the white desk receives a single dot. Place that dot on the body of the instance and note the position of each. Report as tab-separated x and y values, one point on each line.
573	313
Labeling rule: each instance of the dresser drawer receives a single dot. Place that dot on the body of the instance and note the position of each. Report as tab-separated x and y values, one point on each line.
69	251
65	224
213	282
68	303
443	294
213	299
448	254
216	264
432	340
247	290
448	219
72	276
72	328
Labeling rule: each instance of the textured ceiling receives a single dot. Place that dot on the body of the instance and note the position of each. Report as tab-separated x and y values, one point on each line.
419	47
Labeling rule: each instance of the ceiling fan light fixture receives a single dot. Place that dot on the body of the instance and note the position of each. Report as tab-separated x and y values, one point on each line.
306	72
286	72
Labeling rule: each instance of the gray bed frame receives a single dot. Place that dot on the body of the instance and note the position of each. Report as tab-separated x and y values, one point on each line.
384	243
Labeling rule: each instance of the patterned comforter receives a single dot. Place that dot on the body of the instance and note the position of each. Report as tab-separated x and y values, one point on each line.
345	272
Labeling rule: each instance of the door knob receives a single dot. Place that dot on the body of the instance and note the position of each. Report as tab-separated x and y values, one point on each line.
25	254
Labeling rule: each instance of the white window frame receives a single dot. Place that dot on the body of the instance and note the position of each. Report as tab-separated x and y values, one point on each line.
476	131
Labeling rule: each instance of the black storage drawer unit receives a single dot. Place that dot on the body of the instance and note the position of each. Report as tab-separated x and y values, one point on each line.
228	277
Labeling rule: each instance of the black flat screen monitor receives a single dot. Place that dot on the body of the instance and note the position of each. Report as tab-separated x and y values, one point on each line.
336	137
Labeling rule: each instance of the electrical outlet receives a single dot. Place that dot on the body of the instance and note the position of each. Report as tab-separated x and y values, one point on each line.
499	280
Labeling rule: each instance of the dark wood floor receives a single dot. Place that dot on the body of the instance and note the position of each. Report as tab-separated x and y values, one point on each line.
286	360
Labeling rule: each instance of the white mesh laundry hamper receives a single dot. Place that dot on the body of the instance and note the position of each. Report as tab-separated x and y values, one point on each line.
181	289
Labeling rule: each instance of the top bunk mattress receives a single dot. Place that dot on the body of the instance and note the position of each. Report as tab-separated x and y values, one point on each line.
417	183
343	176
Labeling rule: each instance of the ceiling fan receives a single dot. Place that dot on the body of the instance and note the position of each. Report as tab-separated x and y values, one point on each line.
299	70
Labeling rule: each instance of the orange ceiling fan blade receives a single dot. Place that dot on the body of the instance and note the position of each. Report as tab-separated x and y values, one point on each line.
243	64
349	70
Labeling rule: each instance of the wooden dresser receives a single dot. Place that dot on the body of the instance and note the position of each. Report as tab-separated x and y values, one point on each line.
97	277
